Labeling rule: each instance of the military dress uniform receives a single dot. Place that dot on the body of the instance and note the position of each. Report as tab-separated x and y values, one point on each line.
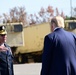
6	62
6	58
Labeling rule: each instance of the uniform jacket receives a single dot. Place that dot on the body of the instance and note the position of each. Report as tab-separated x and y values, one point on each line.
6	62
59	54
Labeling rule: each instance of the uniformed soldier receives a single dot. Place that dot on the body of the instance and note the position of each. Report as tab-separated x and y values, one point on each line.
6	58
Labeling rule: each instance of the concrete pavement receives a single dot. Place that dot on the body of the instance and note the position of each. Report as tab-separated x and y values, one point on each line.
27	69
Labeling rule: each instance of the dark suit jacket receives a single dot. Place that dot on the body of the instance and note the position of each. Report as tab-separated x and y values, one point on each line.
6	62
59	54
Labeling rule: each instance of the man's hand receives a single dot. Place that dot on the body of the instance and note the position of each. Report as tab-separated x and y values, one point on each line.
2	48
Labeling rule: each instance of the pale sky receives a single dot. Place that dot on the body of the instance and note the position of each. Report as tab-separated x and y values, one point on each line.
33	6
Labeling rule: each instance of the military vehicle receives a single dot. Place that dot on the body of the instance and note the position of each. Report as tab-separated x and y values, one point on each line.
27	42
70	25
33	43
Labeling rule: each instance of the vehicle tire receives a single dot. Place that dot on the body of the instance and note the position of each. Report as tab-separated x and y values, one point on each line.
20	58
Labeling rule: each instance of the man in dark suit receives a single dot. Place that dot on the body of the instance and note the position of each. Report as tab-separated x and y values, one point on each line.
6	59
59	54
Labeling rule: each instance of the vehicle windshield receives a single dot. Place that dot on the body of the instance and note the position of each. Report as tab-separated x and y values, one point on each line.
72	25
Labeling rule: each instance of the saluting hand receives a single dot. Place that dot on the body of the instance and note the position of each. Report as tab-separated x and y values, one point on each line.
2	48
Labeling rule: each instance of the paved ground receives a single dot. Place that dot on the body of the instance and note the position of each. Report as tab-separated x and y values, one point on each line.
27	69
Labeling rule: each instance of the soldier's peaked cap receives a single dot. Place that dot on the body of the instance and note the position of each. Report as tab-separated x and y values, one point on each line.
3	30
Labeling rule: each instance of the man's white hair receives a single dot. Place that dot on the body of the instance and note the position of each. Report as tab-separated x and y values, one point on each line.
60	21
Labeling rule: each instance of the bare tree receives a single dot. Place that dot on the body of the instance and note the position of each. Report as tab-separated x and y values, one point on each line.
62	14
42	11
1	20
57	12
42	14
32	21
50	10
16	14
13	14
74	12
6	18
37	19
22	15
